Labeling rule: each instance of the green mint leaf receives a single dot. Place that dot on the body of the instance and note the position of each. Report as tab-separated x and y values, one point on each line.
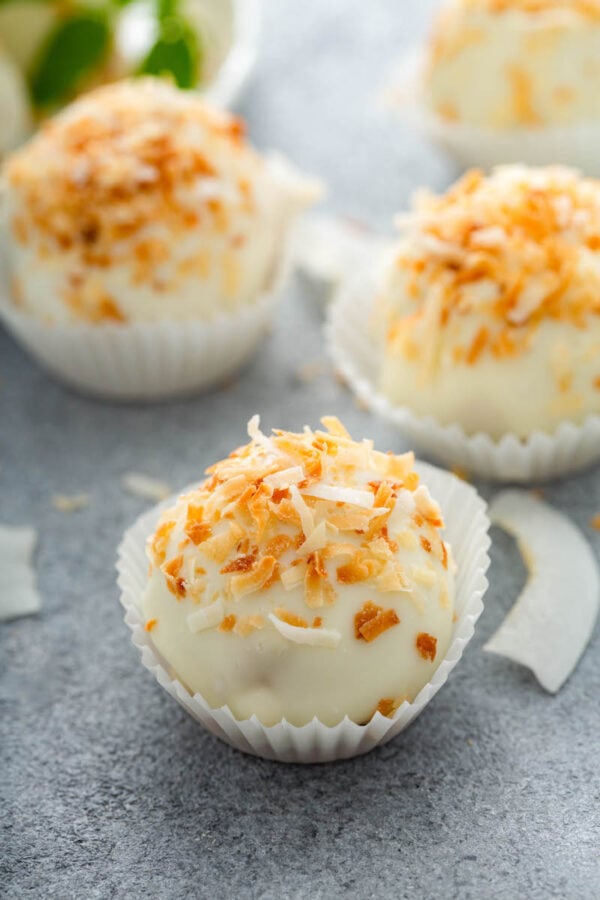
176	53
74	48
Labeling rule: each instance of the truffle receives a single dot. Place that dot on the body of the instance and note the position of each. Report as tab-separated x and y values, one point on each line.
509	64
141	203
306	577
489	312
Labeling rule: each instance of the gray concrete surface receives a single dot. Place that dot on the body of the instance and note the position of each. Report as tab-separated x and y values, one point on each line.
108	788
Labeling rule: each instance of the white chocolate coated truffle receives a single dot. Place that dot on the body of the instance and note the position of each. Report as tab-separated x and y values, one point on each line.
490	308
306	577
515	63
141	203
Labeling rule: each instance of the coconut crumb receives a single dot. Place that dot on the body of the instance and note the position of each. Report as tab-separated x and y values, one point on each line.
372	620
426	646
145	487
228	623
69	503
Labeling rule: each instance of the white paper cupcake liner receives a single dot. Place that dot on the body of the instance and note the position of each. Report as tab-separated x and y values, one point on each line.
146	360
234	74
466	530
540	457
573	145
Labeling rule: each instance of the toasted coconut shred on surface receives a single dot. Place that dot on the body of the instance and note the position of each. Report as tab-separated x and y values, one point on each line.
315	511
508	251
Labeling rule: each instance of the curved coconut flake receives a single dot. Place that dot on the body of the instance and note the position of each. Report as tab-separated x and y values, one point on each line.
314	637
353	496
18	592
202	619
306	515
550	624
293	576
317	540
256	435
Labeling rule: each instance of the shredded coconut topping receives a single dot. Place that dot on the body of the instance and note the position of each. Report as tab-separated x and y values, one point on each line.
120	158
508	251
298	510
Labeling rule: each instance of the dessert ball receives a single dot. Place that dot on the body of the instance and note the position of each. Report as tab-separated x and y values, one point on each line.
139	203
307	576
506	64
490	309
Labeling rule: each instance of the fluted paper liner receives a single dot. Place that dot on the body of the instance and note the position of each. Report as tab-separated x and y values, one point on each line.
466	530
539	457
147	360
576	145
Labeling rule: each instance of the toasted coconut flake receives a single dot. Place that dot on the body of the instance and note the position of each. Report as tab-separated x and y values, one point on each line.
336	494
313	637
293	576
195	528
372	620
426	646
549	626
334	550
306	516
255	579
247	624
318	591
69	503
386	707
427	507
407	539
290	617
335	427
285	477
143	486
241	563
393	578
317	541
228	623
256	435
360	568
175	582
423	575
221	545
157	545
207	617
279	545
345	520
381	549
18	592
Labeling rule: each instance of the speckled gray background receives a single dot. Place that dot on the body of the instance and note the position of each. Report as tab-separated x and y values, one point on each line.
109	789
